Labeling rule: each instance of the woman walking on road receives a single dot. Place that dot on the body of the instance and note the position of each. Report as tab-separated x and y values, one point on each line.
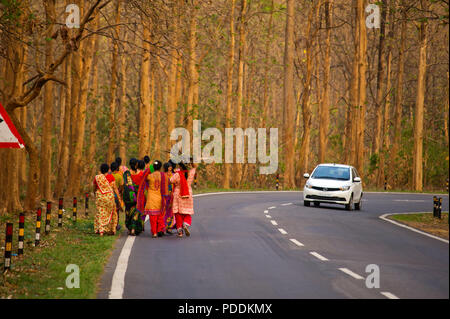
183	201
152	202
133	218
169	219
104	188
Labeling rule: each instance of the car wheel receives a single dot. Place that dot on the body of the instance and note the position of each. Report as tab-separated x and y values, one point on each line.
349	206
306	203
317	204
358	206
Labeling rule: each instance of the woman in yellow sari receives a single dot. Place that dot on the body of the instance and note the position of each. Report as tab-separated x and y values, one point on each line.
106	217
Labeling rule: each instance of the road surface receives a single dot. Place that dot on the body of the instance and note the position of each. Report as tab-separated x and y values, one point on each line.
268	245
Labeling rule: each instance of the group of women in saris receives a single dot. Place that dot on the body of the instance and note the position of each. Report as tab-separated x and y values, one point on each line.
161	192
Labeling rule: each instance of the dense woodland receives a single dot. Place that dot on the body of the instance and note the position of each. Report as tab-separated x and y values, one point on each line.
375	98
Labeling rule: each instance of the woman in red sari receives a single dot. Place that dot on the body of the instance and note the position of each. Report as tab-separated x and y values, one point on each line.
183	201
106	217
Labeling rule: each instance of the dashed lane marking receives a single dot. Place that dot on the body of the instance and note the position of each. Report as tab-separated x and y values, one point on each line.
266	211
286	204
281	230
350	273
274	223
268	216
295	241
318	256
272	207
389	295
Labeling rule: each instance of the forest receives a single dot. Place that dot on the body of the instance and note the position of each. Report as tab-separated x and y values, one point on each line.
343	81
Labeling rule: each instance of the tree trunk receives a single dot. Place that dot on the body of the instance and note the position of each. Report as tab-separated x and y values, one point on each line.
288	97
419	110
113	103
324	107
47	126
144	111
228	114
376	144
64	155
398	98
360	123
237	172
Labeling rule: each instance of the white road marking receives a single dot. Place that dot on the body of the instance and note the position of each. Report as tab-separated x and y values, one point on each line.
384	217
350	273
268	216
409	200
286	204
295	241
318	256
281	230
272	207
118	280
389	295
266	211
274	222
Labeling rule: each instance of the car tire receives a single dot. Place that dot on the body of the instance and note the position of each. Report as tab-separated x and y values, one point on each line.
358	206
349	206
307	203
316	204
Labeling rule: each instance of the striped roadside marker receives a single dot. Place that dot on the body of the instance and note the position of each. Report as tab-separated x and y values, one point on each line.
8	245
21	233
38	227
60	211
48	215
86	205
75	209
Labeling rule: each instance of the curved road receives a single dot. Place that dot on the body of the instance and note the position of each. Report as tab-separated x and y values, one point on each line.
237	250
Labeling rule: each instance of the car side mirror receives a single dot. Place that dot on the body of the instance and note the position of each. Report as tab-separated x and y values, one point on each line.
306	175
357	179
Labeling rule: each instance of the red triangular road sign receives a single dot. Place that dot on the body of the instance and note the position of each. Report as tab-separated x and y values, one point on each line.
9	137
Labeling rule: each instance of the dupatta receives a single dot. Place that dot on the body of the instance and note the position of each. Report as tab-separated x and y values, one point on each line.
103	184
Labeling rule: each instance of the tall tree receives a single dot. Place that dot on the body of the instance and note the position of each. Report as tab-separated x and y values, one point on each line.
288	97
420	98
229	98
47	127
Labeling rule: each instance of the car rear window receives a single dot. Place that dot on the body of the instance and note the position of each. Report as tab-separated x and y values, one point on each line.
332	172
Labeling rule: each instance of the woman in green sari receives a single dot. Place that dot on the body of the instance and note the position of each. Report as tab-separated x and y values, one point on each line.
133	218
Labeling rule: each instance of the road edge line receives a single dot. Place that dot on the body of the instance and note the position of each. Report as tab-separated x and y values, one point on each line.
384	217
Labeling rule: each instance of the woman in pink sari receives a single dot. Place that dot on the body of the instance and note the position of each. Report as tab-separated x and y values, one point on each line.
183	201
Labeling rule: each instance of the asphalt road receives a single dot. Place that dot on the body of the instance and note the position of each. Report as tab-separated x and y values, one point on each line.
236	250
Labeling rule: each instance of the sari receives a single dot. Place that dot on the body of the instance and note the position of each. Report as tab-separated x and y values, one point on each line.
106	216
133	218
166	191
150	201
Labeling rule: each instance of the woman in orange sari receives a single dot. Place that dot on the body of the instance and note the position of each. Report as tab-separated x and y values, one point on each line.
152	204
104	187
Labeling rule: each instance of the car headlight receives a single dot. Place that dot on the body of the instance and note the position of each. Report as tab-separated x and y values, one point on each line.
344	188
307	185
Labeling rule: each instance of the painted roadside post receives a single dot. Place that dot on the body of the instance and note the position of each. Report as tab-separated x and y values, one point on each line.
60	211
8	245
21	233
74	209
278	182
38	227
86	205
48	215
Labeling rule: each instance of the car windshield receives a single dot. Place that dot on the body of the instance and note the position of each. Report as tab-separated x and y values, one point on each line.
332	172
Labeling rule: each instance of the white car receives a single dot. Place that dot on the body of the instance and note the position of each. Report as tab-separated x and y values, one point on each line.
333	183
